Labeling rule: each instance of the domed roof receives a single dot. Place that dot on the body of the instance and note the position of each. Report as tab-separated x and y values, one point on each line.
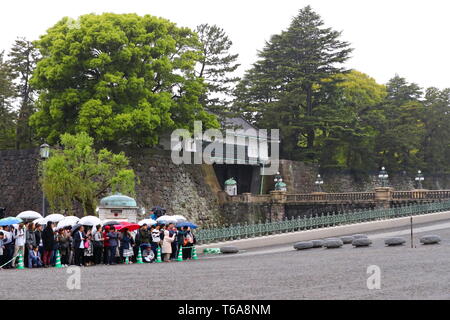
118	200
230	181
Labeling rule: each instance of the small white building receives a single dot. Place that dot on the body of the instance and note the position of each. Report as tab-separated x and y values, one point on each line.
118	207
231	187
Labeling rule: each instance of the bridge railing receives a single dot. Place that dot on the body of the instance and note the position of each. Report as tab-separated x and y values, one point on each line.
421	195
315	221
323	197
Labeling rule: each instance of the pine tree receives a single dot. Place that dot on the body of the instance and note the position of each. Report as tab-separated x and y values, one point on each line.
216	67
7	114
287	87
23	58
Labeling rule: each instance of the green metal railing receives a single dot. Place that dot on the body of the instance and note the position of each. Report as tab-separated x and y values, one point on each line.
316	221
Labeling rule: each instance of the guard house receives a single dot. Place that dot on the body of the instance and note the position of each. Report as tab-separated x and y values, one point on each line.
118	207
231	187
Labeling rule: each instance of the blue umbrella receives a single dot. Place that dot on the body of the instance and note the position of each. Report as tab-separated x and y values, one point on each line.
9	221
187	224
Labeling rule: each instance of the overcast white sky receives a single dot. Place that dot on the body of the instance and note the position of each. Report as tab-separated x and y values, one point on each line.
407	37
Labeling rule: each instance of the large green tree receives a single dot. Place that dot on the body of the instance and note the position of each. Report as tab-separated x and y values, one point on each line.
78	173
216	67
122	78
7	113
23	58
400	134
348	137
288	87
435	151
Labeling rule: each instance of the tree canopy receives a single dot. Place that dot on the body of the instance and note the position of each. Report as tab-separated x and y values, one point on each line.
122	78
286	88
77	173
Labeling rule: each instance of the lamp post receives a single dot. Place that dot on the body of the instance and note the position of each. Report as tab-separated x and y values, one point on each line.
44	151
383	176
419	179
319	183
278	182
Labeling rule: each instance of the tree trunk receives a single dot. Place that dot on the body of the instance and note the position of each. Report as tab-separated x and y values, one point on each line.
89	208
309	109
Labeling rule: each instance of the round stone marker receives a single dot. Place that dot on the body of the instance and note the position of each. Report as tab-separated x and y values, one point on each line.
362	242
347	239
229	249
359	236
318	243
303	245
395	241
333	243
430	239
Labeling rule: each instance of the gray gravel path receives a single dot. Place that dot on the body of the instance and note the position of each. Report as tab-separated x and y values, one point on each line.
266	273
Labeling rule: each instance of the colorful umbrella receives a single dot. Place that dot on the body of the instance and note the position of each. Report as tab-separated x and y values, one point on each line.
10	221
129	226
187	224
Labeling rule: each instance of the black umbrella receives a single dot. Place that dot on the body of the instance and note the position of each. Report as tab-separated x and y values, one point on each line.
111	223
159	211
76	227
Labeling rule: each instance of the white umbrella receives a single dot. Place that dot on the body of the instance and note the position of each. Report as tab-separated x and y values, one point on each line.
29	215
41	221
90	221
166	219
67	222
148	222
56	217
179	218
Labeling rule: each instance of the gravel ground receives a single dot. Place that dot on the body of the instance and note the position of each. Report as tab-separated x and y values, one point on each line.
266	273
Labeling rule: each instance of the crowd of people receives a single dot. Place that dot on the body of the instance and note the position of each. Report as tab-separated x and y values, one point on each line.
86	245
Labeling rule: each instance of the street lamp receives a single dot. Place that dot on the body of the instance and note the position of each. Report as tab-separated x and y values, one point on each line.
383	176
44	151
279	184
419	179
319	183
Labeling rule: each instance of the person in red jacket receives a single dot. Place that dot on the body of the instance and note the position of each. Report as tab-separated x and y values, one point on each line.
105	245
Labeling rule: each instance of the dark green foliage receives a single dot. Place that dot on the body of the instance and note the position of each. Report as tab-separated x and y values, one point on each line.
216	68
23	58
7	114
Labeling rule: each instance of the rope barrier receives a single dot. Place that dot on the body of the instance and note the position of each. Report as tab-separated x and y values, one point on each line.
10	260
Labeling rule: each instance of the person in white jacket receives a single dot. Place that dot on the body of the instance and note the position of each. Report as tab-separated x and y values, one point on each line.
167	244
19	244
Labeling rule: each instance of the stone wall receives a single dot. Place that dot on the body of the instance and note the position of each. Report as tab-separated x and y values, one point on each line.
300	178
188	190
19	181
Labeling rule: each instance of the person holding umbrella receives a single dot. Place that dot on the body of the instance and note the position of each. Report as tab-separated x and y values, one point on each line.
48	241
169	237
98	244
156	238
126	244
79	237
112	238
8	243
105	244
19	242
30	242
